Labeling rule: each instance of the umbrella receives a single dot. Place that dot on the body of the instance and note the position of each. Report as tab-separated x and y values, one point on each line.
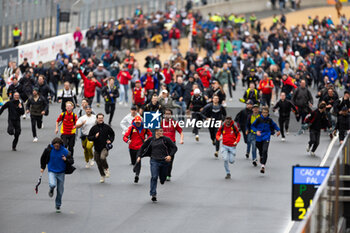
39	182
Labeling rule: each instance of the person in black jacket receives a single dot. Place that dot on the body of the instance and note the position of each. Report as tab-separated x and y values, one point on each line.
284	108
343	123
317	121
37	106
15	111
59	162
161	150
53	76
214	112
110	93
196	105
44	88
102	135
27	83
13	88
241	119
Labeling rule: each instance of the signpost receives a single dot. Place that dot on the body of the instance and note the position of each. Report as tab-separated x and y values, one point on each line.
305	181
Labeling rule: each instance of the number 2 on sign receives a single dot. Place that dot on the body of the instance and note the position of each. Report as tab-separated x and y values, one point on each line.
303	212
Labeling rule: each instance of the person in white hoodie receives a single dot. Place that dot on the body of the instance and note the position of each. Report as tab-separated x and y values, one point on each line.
127	120
298	59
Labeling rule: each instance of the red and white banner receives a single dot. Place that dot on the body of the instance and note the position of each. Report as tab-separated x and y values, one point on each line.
46	50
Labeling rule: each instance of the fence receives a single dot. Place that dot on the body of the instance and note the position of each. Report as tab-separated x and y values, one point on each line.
38	18
330	207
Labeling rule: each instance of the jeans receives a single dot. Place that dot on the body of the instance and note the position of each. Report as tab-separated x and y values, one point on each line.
251	143
158	168
53	87
98	95
37	121
263	149
181	111
101	161
57	180
123	93
228	154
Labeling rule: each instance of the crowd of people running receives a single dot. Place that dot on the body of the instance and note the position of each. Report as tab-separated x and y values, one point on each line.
280	68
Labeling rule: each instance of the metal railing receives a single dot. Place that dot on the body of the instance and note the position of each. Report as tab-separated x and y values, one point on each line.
326	214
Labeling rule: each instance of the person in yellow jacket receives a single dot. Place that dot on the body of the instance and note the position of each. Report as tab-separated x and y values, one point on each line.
16	36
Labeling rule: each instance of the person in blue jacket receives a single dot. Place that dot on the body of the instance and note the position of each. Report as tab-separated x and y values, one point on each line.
330	72
264	127
57	158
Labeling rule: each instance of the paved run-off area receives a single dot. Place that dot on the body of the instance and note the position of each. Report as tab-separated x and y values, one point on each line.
198	199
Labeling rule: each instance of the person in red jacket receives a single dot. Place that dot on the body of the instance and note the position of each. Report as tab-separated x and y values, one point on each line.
150	83
205	75
168	72
170	127
138	96
265	87
135	136
123	78
230	139
90	84
174	36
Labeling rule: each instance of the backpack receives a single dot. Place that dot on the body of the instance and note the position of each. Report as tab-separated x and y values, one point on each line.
233	127
63	116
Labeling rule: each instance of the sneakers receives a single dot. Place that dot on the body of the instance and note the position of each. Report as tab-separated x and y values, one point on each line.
102	179
35	139
283	139
216	154
308	148
107	173
154	198
197	138
168	178
120	103
247	155
262	170
92	163
58	209
126	104
98	105
24	116
213	142
255	163
228	176
51	192
42	126
14	149
287	132
87	165
313	154
136	179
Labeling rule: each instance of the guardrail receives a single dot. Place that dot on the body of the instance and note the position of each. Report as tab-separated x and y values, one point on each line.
327	212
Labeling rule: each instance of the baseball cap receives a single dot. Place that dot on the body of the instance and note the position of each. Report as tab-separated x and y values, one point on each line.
138	81
249	102
156	66
164	91
100	65
137	119
149	70
255	106
197	91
